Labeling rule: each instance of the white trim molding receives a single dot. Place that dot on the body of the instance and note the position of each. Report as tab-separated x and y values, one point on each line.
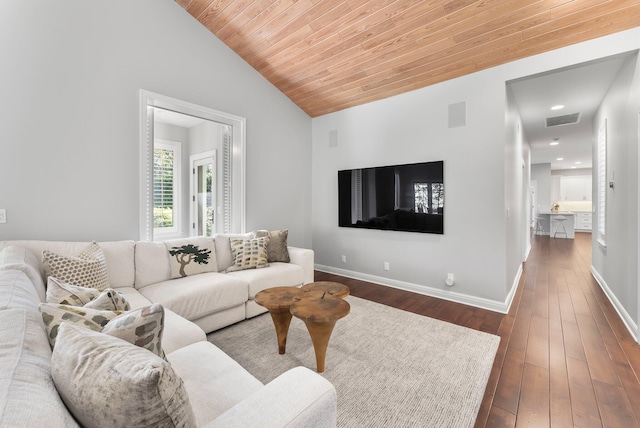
149	100
624	315
465	299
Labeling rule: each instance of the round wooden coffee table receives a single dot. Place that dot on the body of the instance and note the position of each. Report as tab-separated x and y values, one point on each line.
278	301
320	315
327	288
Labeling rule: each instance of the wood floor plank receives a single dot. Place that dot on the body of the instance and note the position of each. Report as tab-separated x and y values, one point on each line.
614	406
533	409
584	406
565	358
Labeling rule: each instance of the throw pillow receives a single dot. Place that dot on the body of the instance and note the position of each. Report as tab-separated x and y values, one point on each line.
60	292
108	382
87	269
249	254
109	300
191	256
55	315
223	248
142	327
277	250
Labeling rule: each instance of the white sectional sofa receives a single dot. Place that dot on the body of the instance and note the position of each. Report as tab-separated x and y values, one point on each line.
221	392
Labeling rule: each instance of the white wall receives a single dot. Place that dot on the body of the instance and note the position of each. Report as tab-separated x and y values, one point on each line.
413	128
70	79
617	264
516	193
479	158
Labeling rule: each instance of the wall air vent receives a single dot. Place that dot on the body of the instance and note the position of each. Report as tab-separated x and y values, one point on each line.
567	119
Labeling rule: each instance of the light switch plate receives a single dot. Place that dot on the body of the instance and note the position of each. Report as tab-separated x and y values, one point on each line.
3	215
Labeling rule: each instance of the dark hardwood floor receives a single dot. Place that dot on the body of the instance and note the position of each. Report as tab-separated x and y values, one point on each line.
565	357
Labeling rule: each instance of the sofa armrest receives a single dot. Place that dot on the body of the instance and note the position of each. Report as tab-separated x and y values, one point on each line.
296	398
304	258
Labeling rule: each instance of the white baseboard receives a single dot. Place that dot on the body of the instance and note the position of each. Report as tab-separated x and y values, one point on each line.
624	315
478	302
514	288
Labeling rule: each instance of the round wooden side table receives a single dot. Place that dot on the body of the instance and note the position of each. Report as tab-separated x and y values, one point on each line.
278	301
320	315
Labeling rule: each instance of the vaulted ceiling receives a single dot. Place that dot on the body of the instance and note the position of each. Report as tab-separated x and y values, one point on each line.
328	55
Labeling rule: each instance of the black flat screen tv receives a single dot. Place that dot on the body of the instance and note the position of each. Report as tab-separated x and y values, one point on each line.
406	197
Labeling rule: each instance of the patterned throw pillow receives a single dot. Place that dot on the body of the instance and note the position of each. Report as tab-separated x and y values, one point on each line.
277	250
109	300
191	256
107	382
54	315
141	327
60	292
249	254
87	269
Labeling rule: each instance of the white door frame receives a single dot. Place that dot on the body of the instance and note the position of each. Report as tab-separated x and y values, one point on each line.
195	161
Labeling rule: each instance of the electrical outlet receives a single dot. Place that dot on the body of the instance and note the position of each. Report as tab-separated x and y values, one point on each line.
386	265
344	259
3	215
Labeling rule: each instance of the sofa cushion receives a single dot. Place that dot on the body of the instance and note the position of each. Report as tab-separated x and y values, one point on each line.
108	382
191	256
28	397
249	254
218	375
55	315
151	264
196	296
14	257
60	292
17	291
178	331
276	275
277	250
119	256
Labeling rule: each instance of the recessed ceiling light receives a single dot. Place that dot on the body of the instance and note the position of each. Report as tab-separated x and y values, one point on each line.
573	167
578	163
557	107
560	159
553	143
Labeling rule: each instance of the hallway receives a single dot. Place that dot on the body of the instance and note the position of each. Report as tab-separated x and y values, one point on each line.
565	358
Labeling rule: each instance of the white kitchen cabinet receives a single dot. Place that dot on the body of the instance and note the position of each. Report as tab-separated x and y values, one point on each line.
583	221
575	188
556	186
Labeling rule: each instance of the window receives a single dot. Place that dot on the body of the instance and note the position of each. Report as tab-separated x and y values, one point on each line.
602	183
166	188
428	198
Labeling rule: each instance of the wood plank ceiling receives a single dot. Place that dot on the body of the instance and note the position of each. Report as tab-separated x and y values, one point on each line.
328	55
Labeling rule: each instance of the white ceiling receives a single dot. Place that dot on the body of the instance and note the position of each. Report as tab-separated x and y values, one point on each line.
580	89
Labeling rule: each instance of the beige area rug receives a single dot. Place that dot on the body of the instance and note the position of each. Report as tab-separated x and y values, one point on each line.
390	368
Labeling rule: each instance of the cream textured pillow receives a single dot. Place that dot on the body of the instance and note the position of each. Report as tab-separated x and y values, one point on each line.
249	254
108	382
55	315
277	250
191	256
142	327
87	269
60	292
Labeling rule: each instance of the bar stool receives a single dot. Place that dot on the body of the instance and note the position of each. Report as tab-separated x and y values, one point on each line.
539	226
560	219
